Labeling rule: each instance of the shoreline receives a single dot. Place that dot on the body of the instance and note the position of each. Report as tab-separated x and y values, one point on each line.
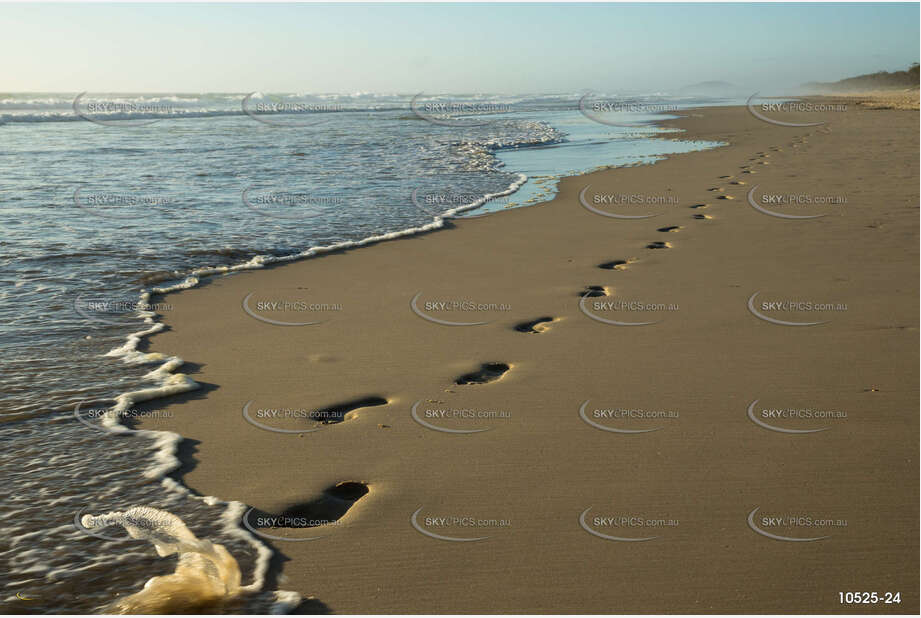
168	465
383	485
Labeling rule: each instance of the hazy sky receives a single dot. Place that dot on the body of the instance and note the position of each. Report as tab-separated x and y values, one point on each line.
446	48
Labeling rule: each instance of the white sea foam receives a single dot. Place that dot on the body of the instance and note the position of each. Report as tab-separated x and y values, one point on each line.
261	261
206	573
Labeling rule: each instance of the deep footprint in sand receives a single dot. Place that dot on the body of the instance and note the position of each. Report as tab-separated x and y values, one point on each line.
659	244
737	182
669	228
336	413
700	206
488	372
715	189
540	325
328	508
617	264
593	291
725	197
702	216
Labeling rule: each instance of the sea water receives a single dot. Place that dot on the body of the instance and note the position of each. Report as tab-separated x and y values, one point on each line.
106	199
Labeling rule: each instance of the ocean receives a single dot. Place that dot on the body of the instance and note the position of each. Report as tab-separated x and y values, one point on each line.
108	199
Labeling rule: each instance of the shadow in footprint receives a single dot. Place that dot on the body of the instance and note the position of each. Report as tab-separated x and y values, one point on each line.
489	372
659	244
669	228
336	413
593	291
614	265
328	507
534	326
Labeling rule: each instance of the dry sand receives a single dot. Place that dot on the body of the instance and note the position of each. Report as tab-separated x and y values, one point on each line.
541	466
906	99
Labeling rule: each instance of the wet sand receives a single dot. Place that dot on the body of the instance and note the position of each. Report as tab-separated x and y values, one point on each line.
693	482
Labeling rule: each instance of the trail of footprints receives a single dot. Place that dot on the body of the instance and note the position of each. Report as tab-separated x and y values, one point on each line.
338	499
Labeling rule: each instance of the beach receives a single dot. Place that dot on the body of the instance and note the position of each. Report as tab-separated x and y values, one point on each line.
610	458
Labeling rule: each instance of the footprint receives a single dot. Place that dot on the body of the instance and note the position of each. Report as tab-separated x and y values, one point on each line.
715	189
659	244
534	326
329	507
489	372
701	206
749	172
702	216
614	265
593	291
669	228
336	413
725	176
726	197
737	182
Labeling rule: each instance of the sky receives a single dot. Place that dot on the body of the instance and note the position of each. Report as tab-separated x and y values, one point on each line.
445	48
